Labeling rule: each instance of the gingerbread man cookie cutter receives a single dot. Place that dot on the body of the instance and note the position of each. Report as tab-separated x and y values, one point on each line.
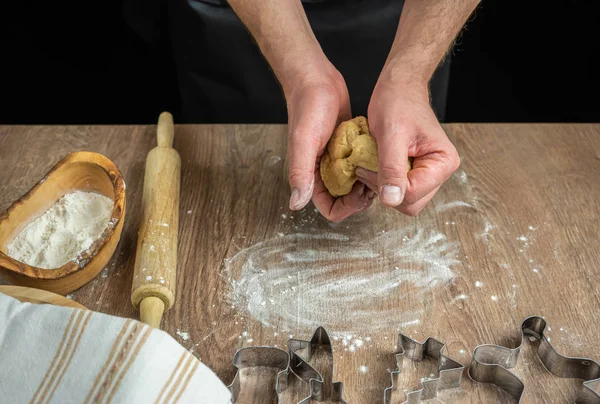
289	364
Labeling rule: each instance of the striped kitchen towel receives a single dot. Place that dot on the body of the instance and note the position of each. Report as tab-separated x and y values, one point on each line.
51	354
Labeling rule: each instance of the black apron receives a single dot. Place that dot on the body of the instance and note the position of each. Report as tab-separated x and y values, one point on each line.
223	77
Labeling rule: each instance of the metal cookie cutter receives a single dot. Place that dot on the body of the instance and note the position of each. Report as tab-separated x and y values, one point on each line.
449	371
261	359
491	363
320	389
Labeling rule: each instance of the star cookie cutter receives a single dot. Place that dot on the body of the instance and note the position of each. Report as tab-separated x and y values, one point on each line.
449	371
491	363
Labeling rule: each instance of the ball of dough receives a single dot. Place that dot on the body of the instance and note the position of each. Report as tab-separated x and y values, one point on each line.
350	146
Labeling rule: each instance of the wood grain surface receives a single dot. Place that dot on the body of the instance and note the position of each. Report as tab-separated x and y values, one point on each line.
520	219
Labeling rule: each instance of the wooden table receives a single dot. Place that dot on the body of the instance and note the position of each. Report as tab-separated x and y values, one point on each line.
513	233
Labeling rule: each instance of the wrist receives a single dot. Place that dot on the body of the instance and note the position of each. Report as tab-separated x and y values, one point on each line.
403	80
304	70
310	72
406	74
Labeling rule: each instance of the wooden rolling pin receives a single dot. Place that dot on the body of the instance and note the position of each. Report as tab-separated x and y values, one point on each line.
154	276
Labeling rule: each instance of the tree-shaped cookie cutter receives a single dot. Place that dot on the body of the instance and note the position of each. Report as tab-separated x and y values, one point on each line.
449	371
319	391
491	363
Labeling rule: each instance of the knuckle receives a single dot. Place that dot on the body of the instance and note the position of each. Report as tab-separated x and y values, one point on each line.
410	210
296	175
391	128
334	218
454	161
451	160
331	214
325	92
391	173
328	93
366	205
410	199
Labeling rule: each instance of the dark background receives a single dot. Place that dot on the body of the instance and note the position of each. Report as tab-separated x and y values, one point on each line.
79	62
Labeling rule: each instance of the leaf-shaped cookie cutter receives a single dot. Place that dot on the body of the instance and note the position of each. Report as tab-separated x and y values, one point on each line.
449	371
491	363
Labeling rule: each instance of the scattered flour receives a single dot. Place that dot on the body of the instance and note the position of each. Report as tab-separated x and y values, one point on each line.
452	205
461	176
65	230
319	279
272	160
456	298
416	321
183	335
487	229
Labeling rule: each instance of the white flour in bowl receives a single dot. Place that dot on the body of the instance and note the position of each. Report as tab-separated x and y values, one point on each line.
69	227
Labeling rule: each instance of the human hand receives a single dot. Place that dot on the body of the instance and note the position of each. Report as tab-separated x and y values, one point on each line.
404	125
316	95
317	103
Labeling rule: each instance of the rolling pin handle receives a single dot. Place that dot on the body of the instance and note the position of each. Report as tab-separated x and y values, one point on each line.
166	130
151	311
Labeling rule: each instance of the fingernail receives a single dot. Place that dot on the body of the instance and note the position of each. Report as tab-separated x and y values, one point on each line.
295	199
391	195
361	172
371	194
298	200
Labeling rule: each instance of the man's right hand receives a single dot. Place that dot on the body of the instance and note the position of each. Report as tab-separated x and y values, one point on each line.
317	103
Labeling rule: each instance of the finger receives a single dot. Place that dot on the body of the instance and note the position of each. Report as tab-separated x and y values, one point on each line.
372	187
321	197
338	209
430	171
311	120
356	201
416	208
392	148
367	177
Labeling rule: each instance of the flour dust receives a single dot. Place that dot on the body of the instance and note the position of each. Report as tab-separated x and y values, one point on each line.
307	280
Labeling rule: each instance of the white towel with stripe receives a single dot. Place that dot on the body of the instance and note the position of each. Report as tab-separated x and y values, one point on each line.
51	354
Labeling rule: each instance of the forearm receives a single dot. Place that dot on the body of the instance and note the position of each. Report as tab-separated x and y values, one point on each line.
426	31
284	35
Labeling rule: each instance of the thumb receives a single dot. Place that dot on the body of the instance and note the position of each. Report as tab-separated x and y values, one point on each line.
393	167
301	172
310	123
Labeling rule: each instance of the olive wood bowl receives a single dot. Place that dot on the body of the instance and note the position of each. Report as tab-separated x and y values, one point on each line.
38	296
79	171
